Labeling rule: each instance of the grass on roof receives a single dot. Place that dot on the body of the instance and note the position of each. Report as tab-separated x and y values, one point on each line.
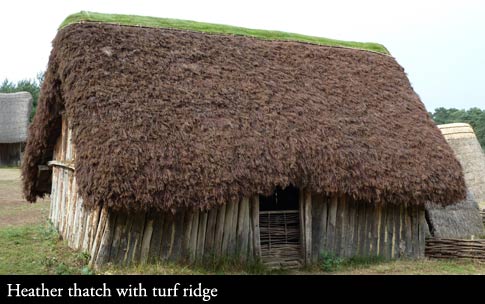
216	29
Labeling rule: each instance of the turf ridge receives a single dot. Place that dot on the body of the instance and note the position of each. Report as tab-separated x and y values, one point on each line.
132	20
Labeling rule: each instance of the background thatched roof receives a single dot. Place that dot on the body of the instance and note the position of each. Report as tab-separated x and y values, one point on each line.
165	118
462	220
14	116
467	149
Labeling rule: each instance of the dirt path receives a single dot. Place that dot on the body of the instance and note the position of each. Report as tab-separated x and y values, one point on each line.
14	210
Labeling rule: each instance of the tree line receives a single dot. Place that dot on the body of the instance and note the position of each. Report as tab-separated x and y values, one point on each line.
474	116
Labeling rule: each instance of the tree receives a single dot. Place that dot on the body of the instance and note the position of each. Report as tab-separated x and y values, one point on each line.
474	116
30	85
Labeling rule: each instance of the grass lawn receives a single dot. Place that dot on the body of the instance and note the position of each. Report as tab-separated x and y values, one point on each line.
30	245
216	29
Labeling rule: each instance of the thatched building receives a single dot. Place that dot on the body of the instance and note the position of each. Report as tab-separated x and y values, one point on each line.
469	153
168	143
15	111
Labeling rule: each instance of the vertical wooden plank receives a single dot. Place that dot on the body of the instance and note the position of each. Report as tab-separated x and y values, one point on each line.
415	221
147	237
256	229
378	231
301	208
332	221
383	231
101	225
227	228
193	235
409	243
422	231
308	227
210	234
323	223
362	228
106	240
402	238
201	235
390	228
189	218
167	236
338	227
178	235
243	229
124	239
135	238
156	239
352	212
343	225
374	230
233	232
317	209
395	231
53	195
117	236
219	233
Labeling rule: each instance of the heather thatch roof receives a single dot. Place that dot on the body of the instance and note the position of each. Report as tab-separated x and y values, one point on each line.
14	116
165	118
469	153
462	220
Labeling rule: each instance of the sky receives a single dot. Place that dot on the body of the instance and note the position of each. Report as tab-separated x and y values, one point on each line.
440	44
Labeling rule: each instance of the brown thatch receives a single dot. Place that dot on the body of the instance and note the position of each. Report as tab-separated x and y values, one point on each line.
165	118
462	220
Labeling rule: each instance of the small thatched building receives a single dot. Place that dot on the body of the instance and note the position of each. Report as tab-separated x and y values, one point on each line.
469	153
168	142
15	111
458	221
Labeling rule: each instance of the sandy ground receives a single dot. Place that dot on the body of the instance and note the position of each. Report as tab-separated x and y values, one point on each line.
14	210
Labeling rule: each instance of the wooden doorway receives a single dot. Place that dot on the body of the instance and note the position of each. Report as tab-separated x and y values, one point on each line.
279	222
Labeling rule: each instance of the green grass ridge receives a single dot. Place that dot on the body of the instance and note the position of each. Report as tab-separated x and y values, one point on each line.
131	20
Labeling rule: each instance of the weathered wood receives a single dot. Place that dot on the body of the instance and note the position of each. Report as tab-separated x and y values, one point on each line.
343	226
156	239
209	250
324	224
167	236
233	231
308	227
363	229
147	237
415	221
123	247
351	243
101	225
317	209
301	211
219	231
397	229
409	234
378	230
178	235
117	236
243	229
383	242
106	240
62	164
332	221
193	235
201	235
422	232
255	227
188	221
135	238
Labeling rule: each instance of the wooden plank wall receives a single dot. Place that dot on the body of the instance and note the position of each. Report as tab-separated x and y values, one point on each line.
336	224
140	237
347	228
